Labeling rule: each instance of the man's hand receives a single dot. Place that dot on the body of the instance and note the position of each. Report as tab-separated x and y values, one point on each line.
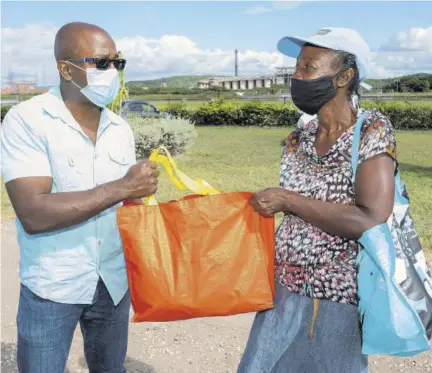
41	211
141	180
271	201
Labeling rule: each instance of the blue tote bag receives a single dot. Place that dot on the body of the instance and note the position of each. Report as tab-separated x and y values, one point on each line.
394	282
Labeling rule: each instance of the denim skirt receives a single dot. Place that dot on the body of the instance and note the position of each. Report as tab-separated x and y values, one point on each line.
302	335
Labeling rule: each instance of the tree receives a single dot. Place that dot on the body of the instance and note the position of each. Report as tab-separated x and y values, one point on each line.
410	83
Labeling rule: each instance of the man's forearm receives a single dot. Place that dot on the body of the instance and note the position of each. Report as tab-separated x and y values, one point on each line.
53	211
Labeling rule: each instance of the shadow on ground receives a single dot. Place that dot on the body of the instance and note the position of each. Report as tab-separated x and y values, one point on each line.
132	366
8	358
9	364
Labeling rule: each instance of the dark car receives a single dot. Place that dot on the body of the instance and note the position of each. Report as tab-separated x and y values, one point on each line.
142	109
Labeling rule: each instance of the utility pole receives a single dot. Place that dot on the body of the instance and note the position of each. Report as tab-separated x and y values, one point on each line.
236	63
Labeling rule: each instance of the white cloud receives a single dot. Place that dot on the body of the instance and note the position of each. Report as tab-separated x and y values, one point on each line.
173	54
29	50
285	5
25	50
407	52
255	10
401	63
415	39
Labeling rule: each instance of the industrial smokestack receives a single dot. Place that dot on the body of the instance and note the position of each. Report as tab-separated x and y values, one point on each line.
236	63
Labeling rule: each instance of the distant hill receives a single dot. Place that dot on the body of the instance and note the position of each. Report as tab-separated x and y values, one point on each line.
393	83
380	83
421	82
182	81
189	81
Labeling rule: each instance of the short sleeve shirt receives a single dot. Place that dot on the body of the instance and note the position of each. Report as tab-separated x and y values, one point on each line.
310	261
40	138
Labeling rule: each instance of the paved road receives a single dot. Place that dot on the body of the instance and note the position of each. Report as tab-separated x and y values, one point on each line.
211	345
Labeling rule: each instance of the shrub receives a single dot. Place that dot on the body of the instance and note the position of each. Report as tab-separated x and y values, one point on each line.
268	114
403	115
177	135
221	113
260	114
257	114
179	110
217	113
4	110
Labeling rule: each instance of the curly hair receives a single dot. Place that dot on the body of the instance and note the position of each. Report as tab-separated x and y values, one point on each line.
347	61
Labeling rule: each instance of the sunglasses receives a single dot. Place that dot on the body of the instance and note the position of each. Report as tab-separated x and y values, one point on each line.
101	63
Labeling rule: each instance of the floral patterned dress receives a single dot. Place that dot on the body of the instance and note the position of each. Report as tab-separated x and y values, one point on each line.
310	261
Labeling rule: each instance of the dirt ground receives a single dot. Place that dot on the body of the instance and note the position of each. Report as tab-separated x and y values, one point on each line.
212	345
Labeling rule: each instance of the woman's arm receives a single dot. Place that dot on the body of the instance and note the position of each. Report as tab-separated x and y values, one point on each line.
373	204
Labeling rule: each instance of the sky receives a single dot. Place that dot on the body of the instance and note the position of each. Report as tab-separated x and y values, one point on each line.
198	38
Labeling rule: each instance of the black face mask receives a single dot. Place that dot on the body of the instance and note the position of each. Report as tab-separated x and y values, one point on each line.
311	95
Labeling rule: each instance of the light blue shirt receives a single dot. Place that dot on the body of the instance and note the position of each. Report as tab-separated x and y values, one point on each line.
40	137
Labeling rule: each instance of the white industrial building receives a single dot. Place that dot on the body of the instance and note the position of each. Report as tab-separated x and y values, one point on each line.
282	76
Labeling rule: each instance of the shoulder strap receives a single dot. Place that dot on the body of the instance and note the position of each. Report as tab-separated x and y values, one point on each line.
356	143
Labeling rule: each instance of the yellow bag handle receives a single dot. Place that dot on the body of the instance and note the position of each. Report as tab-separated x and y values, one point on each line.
178	178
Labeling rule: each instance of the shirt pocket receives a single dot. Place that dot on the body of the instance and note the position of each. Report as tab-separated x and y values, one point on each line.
119	163
72	172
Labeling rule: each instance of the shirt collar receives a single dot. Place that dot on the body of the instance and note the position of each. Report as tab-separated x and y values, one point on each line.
55	107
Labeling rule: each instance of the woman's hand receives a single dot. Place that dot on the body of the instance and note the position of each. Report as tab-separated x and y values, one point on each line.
374	202
271	201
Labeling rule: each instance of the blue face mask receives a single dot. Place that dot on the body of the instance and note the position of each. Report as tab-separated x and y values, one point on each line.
102	87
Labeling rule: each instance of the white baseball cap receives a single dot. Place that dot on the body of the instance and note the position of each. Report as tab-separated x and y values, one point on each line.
339	39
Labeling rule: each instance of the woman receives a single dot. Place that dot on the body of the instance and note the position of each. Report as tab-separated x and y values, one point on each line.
314	326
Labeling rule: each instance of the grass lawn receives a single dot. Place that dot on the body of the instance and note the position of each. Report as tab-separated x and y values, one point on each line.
163	104
234	159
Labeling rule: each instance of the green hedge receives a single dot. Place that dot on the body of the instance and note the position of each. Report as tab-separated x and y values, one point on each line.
4	110
220	113
177	110
403	115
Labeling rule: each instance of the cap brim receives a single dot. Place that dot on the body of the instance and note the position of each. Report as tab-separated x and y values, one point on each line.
292	45
366	86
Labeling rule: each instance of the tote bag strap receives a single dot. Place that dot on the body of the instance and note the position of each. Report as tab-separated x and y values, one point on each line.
162	156
356	143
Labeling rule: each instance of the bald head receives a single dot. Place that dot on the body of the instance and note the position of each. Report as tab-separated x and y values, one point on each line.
79	40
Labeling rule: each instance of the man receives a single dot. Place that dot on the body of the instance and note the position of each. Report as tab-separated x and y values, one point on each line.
68	162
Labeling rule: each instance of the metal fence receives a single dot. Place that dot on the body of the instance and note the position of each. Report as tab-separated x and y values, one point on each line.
285	97
9	102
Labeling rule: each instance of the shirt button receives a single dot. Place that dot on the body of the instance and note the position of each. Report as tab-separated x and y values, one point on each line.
99	242
95	156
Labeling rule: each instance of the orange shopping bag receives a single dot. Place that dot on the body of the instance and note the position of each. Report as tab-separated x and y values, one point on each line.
204	255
